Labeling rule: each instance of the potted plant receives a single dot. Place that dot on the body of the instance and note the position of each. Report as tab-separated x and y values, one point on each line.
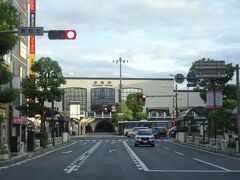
4	154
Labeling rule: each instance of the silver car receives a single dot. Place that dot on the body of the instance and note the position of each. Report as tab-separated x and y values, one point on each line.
144	137
134	130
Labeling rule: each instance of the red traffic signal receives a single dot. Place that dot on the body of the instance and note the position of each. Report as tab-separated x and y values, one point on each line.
141	97
62	34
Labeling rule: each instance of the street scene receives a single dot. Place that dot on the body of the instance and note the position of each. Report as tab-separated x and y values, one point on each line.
119	89
116	157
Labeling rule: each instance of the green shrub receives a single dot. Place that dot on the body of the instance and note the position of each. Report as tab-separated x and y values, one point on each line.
3	151
231	145
43	137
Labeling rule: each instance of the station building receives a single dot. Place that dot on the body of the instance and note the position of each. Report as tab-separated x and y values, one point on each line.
93	94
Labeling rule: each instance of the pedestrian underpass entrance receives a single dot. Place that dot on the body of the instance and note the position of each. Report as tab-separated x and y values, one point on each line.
104	126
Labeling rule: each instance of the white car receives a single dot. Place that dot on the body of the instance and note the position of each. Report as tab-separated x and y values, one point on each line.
134	130
144	137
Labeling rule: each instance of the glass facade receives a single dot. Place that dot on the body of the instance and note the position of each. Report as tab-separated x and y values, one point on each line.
75	94
102	97
127	91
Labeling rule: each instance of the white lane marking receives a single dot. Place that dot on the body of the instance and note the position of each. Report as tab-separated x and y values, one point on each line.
214	165
84	143
166	148
112	150
179	153
132	154
67	152
71	169
81	159
204	150
194	171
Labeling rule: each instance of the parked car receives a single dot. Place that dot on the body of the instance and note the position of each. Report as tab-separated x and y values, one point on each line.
173	131
144	137
159	132
134	130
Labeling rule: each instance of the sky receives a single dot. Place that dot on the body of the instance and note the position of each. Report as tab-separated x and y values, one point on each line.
157	37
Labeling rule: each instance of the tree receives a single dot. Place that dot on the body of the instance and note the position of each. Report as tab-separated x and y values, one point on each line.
9	21
220	117
45	88
136	106
7	93
127	114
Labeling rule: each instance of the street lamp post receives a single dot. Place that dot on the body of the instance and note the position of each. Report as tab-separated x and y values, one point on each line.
120	61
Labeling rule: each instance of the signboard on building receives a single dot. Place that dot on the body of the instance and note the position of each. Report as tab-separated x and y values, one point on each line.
214	99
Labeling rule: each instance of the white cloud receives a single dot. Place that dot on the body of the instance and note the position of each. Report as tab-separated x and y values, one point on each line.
158	37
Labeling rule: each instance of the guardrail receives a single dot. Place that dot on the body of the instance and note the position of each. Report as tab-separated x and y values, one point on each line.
220	144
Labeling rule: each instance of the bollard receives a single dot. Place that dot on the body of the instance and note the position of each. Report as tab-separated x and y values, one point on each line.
237	147
222	144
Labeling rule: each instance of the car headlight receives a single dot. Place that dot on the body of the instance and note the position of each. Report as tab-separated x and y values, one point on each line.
152	137
138	137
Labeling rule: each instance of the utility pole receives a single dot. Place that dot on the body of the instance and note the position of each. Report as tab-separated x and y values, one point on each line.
176	101
238	104
120	61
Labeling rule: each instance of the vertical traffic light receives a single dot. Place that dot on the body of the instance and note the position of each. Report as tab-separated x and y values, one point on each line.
62	34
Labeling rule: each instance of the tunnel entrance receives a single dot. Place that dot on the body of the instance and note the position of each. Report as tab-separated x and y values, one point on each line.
104	126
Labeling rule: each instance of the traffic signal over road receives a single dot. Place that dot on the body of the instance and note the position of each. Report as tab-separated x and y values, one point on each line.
62	34
141	97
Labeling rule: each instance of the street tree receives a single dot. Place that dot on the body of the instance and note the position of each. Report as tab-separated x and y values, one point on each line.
7	93
221	118
136	106
122	113
44	88
9	21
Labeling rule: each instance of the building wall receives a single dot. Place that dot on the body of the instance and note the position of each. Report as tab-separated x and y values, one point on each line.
151	87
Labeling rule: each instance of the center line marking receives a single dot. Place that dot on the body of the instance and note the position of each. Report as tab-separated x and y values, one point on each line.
211	164
132	154
166	148
179	153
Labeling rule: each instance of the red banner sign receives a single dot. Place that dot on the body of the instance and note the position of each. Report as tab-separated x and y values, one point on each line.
32	5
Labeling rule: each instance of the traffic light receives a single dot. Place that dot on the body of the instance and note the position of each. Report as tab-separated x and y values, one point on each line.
141	97
62	34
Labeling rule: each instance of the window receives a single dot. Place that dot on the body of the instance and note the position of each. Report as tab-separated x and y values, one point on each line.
102	97
75	94
127	91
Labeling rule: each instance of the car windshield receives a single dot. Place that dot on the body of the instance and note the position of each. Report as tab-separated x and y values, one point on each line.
144	133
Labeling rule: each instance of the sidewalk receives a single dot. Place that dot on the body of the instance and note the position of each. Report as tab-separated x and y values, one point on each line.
16	158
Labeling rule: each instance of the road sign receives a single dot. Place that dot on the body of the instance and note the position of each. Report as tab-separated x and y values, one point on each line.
191	85
191	77
210	69
30	31
179	78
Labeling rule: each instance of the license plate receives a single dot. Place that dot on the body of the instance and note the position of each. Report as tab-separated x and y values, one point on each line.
144	141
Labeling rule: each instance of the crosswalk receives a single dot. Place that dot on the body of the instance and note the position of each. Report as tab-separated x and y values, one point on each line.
116	140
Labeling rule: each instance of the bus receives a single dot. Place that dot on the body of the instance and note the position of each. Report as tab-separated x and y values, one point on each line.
125	126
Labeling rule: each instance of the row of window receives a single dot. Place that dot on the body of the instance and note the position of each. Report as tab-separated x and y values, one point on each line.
100	97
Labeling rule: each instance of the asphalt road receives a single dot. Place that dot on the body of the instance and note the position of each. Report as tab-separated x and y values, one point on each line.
108	158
